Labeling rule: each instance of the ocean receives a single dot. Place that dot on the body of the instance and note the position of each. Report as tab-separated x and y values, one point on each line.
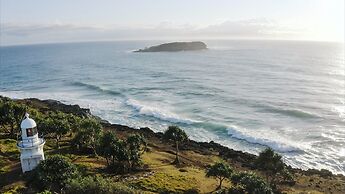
244	94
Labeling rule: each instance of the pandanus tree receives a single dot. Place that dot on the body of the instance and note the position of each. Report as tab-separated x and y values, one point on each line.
250	182
221	171
58	125
178	136
88	135
107	146
136	145
270	162
124	154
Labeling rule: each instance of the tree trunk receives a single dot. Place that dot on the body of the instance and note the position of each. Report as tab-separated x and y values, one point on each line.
267	177
57	141
177	160
220	183
113	159
94	151
107	160
93	146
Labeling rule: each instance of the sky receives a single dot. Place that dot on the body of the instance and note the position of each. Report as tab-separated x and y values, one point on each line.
44	21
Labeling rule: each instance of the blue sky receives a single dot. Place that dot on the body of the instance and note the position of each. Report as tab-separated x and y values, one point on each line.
37	21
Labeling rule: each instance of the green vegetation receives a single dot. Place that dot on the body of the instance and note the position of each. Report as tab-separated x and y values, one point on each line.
136	146
107	147
123	155
54	172
11	114
271	163
99	185
166	183
57	124
178	136
136	161
87	137
221	171
57	174
249	182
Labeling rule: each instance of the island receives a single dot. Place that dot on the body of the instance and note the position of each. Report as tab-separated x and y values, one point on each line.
175	46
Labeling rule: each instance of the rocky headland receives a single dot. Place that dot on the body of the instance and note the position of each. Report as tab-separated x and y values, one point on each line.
196	156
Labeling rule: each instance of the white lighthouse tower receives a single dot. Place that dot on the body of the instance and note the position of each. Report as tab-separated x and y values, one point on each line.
31	147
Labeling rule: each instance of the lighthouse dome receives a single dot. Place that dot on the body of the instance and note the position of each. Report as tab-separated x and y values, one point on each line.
27	122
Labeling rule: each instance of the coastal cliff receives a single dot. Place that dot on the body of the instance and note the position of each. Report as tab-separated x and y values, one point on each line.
175	46
159	174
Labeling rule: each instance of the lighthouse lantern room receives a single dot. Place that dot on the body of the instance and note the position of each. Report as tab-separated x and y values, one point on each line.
30	145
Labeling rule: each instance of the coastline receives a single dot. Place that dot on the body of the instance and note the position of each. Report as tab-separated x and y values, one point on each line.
195	156
244	158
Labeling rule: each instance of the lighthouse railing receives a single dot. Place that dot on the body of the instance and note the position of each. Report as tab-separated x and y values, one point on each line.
30	142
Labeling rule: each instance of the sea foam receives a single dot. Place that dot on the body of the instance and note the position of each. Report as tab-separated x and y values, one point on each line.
258	138
156	112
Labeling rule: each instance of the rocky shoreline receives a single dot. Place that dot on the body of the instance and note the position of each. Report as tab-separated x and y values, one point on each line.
244	159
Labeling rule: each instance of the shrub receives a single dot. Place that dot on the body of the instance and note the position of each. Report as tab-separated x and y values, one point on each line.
54	172
124	155
220	171
270	162
238	189
55	123
45	192
11	114
107	145
99	185
237	177
136	145
288	177
88	134
251	183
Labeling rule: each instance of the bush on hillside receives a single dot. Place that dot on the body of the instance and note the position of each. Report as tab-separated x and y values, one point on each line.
250	182
271	163
99	185
11	115
54	172
136	145
88	135
122	155
238	189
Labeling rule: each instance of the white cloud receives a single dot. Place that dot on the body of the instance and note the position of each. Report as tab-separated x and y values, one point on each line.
59	32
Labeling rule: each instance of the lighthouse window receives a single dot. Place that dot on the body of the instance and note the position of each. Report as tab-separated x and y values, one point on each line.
31	132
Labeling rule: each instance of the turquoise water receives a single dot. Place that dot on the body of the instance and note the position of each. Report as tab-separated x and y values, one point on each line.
243	94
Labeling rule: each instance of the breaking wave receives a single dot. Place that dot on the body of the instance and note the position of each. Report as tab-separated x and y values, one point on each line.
156	112
236	133
289	112
96	88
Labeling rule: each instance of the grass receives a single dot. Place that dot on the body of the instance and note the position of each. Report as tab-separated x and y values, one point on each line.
17	187
170	178
164	182
9	148
8	153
